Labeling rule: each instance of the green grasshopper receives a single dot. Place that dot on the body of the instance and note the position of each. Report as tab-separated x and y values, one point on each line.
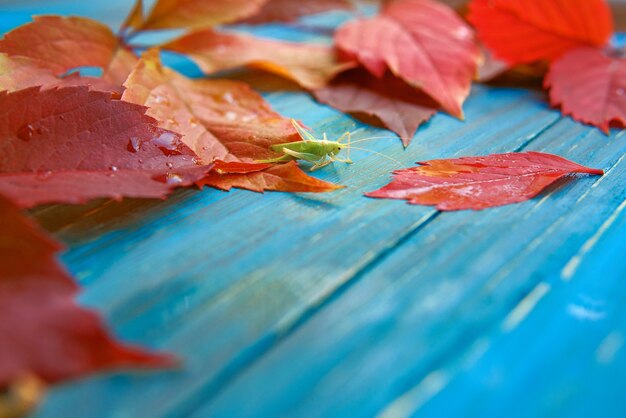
320	152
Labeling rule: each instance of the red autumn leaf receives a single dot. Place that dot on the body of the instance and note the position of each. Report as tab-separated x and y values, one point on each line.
590	85
220	120
70	144
525	31
60	44
479	182
190	14
310	65
423	42
42	329
289	10
398	106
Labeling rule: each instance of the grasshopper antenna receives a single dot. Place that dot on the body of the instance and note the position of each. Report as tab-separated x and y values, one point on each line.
382	155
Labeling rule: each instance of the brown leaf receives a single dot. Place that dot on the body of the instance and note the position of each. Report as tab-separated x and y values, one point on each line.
310	65
397	105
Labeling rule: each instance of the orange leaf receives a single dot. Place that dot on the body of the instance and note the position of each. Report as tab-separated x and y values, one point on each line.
60	44
423	42
311	66
191	14
17	73
135	18
479	182
525	31
590	85
42	329
220	120
286	177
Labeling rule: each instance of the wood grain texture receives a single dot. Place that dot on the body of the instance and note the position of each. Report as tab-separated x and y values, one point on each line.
338	305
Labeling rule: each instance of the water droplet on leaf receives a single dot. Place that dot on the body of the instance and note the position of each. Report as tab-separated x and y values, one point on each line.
133	144
25	133
168	143
42	175
170	178
161	100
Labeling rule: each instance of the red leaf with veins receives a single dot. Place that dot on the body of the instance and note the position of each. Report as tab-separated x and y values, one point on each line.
590	85
423	42
525	31
42	329
479	182
398	106
70	144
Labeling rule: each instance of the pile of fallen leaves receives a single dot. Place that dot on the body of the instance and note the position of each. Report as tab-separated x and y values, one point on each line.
141	129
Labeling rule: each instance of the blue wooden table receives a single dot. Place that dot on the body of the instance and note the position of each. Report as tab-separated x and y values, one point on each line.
335	305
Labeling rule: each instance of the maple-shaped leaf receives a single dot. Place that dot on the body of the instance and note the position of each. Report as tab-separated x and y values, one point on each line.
60	44
398	106
590	85
71	144
423	42
289	10
525	31
218	119
309	65
190	14
42	329
479	182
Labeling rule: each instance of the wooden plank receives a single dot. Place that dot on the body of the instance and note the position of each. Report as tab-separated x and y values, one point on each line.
222	301
435	298
569	347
